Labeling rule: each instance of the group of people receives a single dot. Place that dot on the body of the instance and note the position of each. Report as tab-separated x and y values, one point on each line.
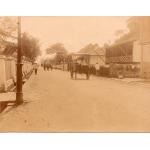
46	66
80	68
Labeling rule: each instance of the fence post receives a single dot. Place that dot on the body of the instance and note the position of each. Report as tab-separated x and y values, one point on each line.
13	68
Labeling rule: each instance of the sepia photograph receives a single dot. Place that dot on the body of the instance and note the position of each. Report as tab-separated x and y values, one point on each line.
75	74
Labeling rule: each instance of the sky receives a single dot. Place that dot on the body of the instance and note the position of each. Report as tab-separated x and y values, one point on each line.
73	32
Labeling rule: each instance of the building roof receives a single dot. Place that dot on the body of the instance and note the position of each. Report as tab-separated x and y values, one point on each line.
93	52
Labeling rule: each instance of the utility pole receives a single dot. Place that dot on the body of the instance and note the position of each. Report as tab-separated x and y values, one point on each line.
19	94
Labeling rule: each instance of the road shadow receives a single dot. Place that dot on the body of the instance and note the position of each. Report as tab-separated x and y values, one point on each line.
79	79
12	106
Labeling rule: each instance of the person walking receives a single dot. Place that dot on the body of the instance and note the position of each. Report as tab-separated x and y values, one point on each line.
36	68
97	68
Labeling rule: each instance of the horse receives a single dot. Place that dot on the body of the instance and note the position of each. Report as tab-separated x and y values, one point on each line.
76	68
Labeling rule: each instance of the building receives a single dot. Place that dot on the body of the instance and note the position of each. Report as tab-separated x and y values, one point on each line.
140	26
95	55
133	49
145	46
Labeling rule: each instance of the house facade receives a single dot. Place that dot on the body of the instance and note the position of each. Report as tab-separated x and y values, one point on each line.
133	49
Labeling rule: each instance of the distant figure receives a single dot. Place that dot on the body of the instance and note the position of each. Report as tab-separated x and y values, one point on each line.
73	69
44	66
51	67
97	68
35	68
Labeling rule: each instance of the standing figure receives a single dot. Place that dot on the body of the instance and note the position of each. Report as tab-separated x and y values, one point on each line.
97	68
51	67
36	68
73	69
44	66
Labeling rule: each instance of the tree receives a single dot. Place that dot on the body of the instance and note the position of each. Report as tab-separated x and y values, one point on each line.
56	48
30	46
60	50
8	28
8	39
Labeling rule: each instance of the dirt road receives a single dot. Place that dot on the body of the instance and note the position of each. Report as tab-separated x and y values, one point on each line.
55	103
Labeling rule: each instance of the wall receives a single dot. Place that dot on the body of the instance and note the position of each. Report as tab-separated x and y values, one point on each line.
136	51
97	59
145	46
145	73
8	71
2	73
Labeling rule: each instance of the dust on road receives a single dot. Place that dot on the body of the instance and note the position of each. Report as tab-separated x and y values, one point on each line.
58	104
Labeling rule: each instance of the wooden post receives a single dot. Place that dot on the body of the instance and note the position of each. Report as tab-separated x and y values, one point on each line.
19	94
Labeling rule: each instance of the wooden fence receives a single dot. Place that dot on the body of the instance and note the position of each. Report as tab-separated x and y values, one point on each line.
8	72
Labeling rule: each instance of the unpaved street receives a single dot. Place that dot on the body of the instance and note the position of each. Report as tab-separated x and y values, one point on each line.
55	103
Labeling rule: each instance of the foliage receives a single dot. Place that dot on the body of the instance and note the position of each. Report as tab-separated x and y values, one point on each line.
8	39
30	46
60	50
8	28
56	48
